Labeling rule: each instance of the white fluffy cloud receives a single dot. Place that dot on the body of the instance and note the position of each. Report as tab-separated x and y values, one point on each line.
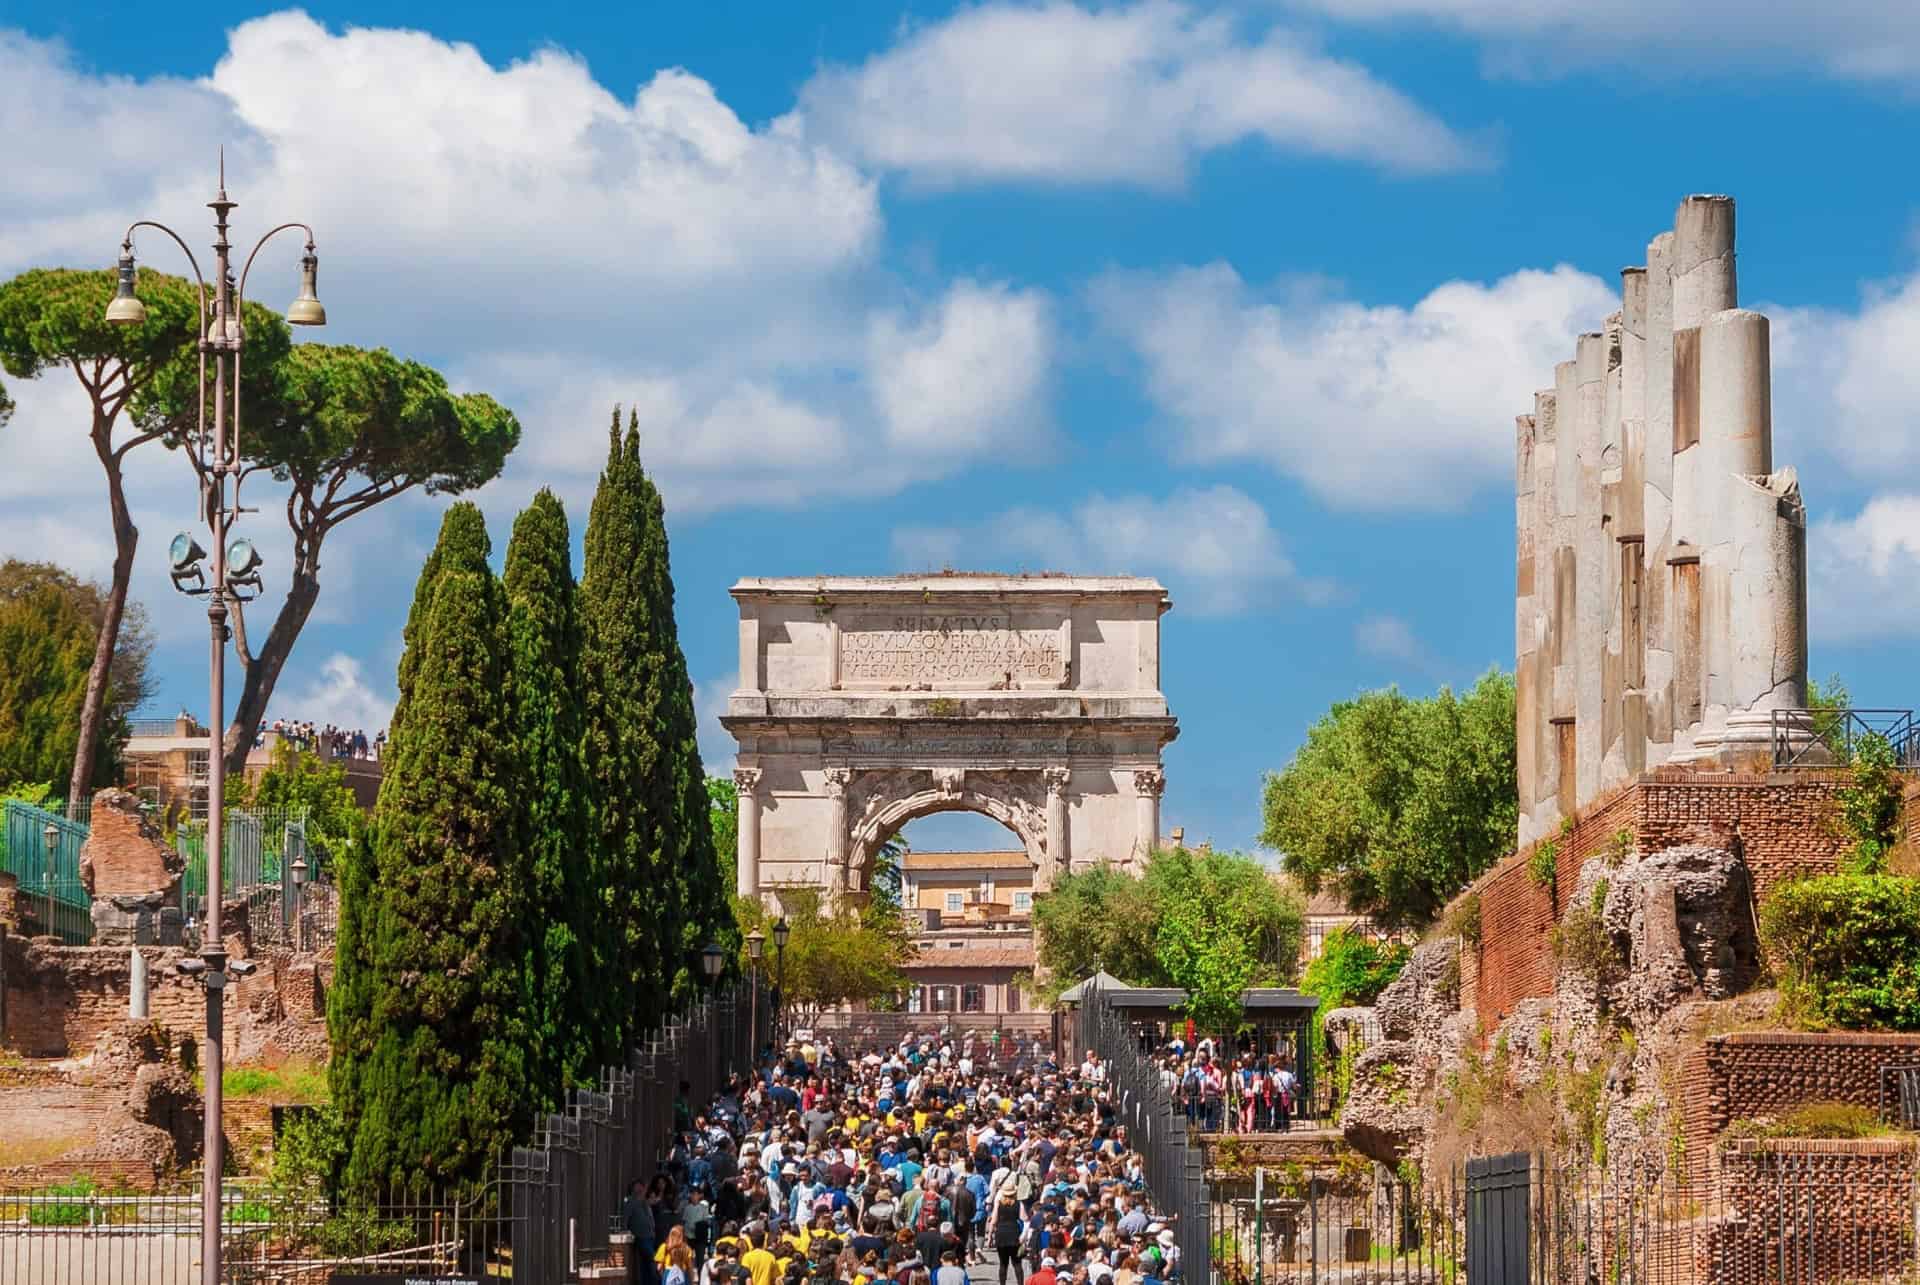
1855	39
1846	384
930	390
339	693
1059	93
450	197
1371	407
1863	572
1213	546
1389	638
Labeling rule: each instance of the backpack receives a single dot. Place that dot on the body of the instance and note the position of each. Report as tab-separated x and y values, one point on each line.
928	1218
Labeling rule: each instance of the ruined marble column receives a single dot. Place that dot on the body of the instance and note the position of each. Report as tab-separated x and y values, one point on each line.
1059	859
1148	784
746	880
837	781
1611	758
1736	442
1630	523
1525	628
1546	772
137	985
1590	605
1704	283
1566	493
1768	525
1657	500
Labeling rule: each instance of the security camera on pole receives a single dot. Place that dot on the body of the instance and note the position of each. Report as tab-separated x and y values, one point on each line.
214	450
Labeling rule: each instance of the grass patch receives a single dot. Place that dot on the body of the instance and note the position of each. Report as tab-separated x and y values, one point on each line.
23	1152
1829	1120
297	1083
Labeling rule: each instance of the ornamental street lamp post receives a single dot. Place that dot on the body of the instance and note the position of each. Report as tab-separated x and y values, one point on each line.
780	934
712	960
756	948
51	838
215	453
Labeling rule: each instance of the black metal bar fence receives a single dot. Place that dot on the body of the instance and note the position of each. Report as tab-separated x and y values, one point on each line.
1829	737
1759	1212
543	1211
1145	1105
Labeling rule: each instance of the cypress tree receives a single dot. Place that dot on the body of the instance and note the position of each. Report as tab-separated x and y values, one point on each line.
620	674
543	638
688	859
444	1087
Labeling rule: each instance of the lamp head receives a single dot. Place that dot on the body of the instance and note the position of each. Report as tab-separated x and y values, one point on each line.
306	310
780	933
299	871
192	966
185	552
51	837
712	960
126	309
242	558
756	944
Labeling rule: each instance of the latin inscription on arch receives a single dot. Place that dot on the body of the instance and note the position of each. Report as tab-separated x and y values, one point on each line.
982	648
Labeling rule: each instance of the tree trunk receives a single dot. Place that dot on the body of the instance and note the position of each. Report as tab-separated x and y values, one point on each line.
264	670
93	711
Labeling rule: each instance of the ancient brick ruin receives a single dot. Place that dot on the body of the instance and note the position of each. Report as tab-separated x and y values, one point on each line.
1661	558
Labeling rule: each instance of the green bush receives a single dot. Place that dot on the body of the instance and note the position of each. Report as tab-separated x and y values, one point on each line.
1352	968
63	1215
1462	919
1870	806
1544	865
1581	942
1847	948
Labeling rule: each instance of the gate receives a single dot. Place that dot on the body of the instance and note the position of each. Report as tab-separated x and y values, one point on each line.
1498	1188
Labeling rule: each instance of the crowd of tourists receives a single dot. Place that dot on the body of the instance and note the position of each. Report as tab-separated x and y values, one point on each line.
323	739
1231	1091
901	1166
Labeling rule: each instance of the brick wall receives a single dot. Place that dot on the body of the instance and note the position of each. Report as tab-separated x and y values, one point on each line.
1767	1073
1783	821
125	853
1782	1211
59	1000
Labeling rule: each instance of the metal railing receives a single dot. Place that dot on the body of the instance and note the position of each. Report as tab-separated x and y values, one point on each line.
1829	737
545	1210
49	881
1155	1129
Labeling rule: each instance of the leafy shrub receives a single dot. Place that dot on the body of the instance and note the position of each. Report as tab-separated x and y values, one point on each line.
1619	847
1848	949
63	1215
1353	968
1581	942
1544	865
1462	919
1870	806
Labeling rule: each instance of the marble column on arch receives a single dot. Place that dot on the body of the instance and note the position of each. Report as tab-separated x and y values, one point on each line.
1148	784
746	881
838	779
1059	859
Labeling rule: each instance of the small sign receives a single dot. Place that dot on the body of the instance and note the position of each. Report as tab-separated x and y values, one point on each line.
363	1278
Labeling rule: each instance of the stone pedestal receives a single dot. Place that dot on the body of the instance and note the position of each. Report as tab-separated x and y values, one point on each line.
128	919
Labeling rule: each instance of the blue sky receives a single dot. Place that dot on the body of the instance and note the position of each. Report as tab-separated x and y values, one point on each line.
1244	297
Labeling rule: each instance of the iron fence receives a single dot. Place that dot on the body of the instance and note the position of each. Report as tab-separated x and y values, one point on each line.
1145	1105
1829	737
544	1211
49	878
997	1042
1756	1212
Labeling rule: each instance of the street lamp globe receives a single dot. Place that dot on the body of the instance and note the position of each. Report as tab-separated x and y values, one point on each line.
756	945
126	309
306	310
712	960
780	933
51	837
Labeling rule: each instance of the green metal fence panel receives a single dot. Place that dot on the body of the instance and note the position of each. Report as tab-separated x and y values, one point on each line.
27	858
251	862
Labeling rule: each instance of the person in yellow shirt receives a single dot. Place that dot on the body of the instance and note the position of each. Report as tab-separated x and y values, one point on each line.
760	1264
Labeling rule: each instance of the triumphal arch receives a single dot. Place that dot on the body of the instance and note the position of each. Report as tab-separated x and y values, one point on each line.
866	702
